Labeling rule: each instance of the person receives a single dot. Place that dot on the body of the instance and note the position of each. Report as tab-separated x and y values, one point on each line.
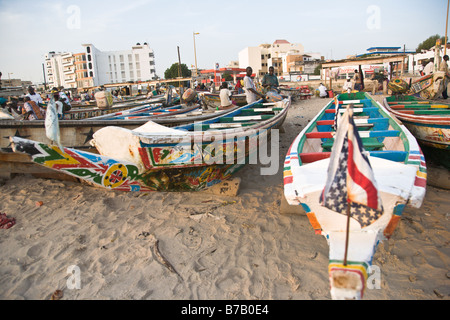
63	98
357	78
238	87
444	67
58	102
31	110
249	87
378	79
323	91
225	97
34	96
348	85
429	67
270	81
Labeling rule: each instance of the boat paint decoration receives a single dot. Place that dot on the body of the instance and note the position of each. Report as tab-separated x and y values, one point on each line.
120	175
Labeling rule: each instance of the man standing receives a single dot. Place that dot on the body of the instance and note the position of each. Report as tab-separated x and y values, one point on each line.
270	81
249	87
444	67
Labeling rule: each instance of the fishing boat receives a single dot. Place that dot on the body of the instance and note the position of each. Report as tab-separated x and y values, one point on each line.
212	100
74	133
154	157
427	120
380	165
90	112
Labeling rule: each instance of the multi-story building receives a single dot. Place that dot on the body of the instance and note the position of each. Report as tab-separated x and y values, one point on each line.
60	69
137	64
266	55
81	70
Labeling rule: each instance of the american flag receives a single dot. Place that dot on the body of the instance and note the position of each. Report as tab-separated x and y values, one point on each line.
350	180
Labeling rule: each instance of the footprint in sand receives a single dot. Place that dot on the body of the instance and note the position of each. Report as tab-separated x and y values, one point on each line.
191	239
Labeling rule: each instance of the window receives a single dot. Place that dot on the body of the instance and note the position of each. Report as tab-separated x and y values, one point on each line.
130	58
90	65
89	57
88	49
136	57
121	58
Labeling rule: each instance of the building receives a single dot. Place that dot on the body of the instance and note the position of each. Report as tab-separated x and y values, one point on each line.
262	57
60	69
383	51
81	70
103	67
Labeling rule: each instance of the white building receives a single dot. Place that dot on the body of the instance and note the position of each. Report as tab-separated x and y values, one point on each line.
137	64
60	69
266	55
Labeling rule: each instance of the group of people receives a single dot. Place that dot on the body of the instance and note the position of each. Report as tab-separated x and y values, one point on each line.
247	86
34	106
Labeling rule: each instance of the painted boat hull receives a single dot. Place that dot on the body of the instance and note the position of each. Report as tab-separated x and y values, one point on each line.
165	160
400	182
430	129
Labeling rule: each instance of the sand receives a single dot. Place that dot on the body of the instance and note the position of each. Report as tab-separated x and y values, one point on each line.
96	244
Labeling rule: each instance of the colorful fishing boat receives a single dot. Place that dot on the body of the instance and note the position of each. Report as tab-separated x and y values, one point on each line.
389	171
159	158
428	121
74	133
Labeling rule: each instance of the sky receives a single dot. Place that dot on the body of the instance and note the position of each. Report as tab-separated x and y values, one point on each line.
335	29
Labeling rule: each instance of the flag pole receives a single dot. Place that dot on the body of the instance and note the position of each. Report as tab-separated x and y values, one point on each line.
347	233
446	28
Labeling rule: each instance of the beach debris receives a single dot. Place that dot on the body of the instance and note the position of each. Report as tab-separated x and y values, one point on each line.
57	295
161	259
448	275
438	294
5	222
39	203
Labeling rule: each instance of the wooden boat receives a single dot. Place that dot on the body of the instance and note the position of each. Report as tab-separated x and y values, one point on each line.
398	176
78	133
158	158
428	121
212	100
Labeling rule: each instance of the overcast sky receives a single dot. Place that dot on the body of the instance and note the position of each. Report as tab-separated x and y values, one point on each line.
30	29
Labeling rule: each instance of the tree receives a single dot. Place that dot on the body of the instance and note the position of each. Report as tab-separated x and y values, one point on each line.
172	72
317	69
429	43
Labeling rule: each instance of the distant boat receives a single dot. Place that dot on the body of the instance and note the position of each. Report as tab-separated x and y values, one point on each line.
391	165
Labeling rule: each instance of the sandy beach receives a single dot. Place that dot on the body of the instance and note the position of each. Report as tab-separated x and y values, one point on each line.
92	243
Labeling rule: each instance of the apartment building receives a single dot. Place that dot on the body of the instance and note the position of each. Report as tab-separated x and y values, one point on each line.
60	69
262	57
103	67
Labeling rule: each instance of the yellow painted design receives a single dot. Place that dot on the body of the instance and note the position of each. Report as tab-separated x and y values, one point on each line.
67	159
115	181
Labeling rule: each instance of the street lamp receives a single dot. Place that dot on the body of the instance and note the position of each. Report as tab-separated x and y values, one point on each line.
195	53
